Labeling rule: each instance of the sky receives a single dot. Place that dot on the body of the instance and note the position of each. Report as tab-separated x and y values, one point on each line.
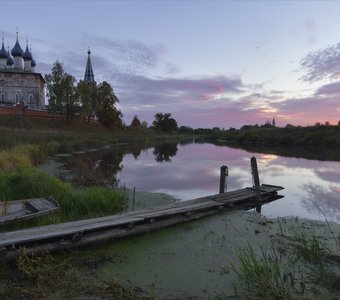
209	63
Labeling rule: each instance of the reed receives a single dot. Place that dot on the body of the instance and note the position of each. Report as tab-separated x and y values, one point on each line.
28	182
265	276
309	246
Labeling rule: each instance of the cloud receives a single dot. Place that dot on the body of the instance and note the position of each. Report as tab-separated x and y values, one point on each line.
320	107
142	94
109	56
321	64
329	89
146	83
129	55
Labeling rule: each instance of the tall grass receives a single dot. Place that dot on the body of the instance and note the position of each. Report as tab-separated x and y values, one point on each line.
28	182
26	155
265	276
308	268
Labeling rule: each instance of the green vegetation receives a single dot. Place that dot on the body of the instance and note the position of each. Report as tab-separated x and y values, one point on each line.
303	266
84	98
265	277
319	135
164	122
26	183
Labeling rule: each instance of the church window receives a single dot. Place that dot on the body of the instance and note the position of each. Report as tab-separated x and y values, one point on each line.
2	97
17	98
30	98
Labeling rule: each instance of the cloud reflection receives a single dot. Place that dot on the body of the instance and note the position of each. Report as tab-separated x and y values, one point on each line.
319	198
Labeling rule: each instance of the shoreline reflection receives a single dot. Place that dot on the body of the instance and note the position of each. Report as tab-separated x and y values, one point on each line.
190	169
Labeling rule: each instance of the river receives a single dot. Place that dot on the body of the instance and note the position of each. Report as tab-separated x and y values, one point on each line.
193	259
189	169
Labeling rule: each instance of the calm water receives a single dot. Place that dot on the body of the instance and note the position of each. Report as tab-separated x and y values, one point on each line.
191	170
192	259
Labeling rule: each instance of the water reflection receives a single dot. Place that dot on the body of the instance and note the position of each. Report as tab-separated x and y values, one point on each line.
192	170
163	152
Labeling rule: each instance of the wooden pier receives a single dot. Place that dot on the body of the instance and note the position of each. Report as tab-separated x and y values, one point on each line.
55	237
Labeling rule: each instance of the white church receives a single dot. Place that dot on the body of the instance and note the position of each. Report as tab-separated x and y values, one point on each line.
19	83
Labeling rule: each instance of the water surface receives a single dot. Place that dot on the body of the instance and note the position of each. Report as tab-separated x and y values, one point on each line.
193	259
190	169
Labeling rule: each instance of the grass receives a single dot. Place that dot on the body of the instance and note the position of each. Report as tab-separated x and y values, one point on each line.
308	245
299	267
266	278
28	182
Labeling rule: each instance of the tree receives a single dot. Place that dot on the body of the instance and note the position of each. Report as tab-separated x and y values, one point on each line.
70	95
54	87
135	123
61	91
164	122
87	93
107	113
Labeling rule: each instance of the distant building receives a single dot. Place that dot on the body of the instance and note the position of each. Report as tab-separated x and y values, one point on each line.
89	75
89	78
19	83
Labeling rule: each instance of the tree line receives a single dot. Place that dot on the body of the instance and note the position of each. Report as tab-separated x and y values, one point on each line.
87	99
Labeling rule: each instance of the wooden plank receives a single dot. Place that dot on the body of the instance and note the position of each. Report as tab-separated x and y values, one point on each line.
95	238
13	216
100	237
199	205
40	204
55	230
52	231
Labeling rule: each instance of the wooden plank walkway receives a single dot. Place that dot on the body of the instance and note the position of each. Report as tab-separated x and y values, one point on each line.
55	237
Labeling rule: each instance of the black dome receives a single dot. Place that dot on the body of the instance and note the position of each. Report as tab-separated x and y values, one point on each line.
27	54
17	51
10	61
3	52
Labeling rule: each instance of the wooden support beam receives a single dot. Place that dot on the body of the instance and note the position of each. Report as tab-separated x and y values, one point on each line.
256	180
223	175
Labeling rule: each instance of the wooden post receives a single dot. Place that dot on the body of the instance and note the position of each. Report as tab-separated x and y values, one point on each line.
256	180
133	198
223	175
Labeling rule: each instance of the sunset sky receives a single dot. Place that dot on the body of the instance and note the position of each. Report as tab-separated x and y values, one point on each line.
209	63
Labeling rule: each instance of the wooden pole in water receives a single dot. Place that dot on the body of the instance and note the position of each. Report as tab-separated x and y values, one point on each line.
256	180
223	175
133	198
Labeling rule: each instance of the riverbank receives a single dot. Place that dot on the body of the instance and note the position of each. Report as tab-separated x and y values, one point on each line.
214	258
296	258
238	254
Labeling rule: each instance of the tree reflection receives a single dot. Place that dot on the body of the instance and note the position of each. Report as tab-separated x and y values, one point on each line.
98	169
109	166
164	151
